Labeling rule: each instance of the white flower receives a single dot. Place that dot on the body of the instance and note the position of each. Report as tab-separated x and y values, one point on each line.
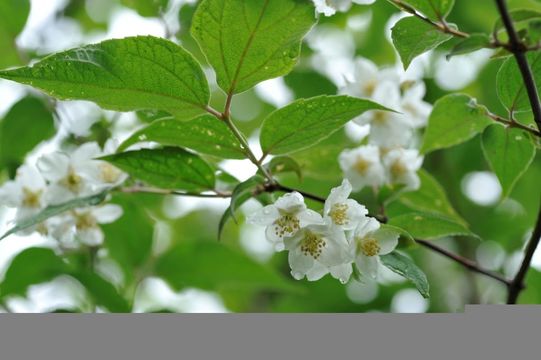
316	250
82	226
401	167
285	217
367	77
103	174
329	7
368	243
341	211
362	166
412	103
387	128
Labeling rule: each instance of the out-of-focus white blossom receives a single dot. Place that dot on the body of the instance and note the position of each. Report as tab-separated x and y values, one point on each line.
367	77
401	166
330	7
362	166
368	242
341	211
285	217
413	105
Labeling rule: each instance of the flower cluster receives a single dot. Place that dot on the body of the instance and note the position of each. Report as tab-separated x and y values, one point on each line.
329	243
58	178
330	7
389	157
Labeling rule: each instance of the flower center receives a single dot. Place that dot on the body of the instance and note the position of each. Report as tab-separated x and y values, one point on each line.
398	169
85	221
31	199
287	224
109	173
361	165
72	181
380	117
369	246
369	87
312	245
409	108
338	214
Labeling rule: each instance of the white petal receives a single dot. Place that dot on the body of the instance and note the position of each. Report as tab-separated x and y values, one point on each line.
54	167
367	265
11	194
265	216
342	272
57	194
338	194
367	226
355	214
85	152
107	214
317	272
91	237
309	217
300	264
30	178
292	202
271	233
387	240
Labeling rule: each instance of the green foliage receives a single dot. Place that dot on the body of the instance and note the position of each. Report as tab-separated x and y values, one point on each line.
213	266
473	43
31	117
306	122
404	266
509	151
518	16
148	8
284	164
455	118
53	210
204	134
13	15
511	89
413	37
436	10
427	226
248	41
135	73
102	292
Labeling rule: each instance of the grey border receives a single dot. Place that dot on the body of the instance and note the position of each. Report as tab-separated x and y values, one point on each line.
481	332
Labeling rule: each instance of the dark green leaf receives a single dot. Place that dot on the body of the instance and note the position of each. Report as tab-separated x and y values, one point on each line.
455	119
248	41
473	43
168	168
54	210
413	37
404	266
31	266
510	85
429	226
306	122
102	292
213	266
13	16
517	16
128	74
204	134
148	8
509	151
283	164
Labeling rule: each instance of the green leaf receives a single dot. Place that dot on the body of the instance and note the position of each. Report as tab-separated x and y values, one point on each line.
429	226
214	266
102	292
13	16
27	124
405	236
306	122
284	164
128	74
511	90
509	151
413	37
518	16
147	8
404	266
204	134
473	43
430	198
31	266
436	10
54	210
249	41
168	168
455	119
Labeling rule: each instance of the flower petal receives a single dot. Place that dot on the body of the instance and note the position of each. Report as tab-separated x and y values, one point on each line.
367	265
300	264
265	216
107	214
342	272
387	240
54	167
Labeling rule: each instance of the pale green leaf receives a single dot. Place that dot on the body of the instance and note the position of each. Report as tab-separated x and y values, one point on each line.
429	226
204	134
436	10
455	119
509	151
168	168
128	74
473	43
510	85
306	122
413	37
404	266
248	41
13	16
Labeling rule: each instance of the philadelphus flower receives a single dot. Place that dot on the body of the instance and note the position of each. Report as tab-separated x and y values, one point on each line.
329	7
83	225
413	105
362	166
367	77
341	211
316	250
368	243
401	167
285	217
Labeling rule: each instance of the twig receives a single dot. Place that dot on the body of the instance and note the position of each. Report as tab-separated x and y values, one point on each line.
467	263
514	124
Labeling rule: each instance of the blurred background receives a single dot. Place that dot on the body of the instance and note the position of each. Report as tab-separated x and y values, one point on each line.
153	225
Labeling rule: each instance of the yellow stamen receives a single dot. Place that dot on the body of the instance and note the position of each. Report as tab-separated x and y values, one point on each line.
368	246
338	214
312	244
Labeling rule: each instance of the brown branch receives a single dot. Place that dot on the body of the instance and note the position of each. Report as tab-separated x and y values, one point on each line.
514	124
